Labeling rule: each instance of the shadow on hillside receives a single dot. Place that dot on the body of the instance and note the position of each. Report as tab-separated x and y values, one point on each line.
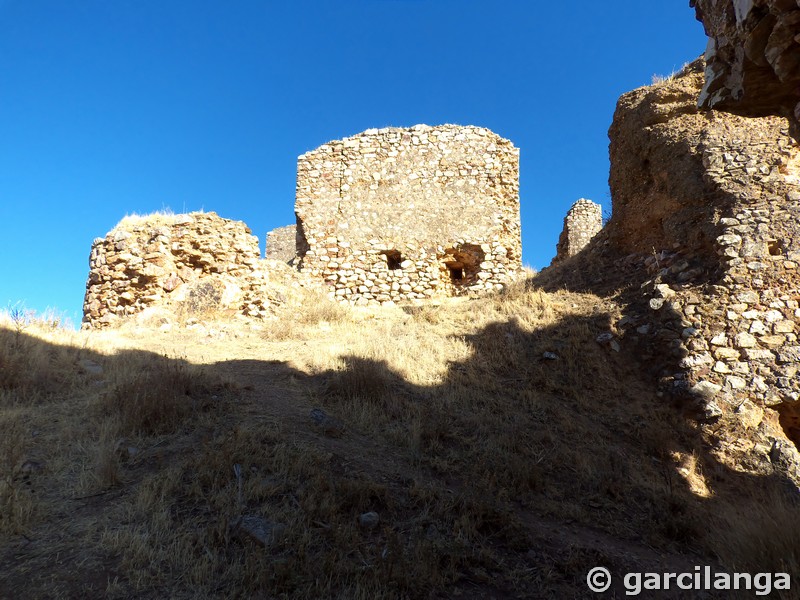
566	437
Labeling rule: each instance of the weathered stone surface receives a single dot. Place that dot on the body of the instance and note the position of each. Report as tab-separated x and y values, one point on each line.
189	264
720	192
369	520
581	224
409	214
258	529
282	244
753	56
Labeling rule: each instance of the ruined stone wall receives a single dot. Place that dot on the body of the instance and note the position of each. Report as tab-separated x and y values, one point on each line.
583	221
197	261
282	244
723	242
406	214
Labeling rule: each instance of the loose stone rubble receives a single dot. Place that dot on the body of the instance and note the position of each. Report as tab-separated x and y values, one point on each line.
583	221
409	214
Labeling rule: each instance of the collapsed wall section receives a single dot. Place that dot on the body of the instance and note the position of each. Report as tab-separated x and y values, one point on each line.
198	260
406	214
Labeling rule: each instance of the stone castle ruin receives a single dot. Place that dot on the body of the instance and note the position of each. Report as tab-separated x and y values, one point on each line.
408	214
583	221
388	215
705	236
184	263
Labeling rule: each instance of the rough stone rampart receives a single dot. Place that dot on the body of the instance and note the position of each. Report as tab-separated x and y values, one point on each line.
714	199
407	214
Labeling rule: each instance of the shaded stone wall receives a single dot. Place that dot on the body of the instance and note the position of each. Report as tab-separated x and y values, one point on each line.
583	221
406	214
198	260
714	199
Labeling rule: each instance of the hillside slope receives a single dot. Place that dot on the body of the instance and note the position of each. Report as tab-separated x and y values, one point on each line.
503	450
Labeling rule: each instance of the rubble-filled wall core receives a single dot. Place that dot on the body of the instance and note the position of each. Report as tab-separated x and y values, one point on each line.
583	221
198	260
406	214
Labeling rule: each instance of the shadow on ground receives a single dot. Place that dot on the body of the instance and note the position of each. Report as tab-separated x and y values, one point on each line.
541	456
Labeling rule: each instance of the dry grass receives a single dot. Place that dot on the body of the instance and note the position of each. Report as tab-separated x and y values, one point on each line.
494	468
305	315
759	534
151	395
160	217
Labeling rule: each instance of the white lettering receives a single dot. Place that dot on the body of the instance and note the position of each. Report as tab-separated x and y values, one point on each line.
635	588
686	577
763	583
738	577
784	580
652	581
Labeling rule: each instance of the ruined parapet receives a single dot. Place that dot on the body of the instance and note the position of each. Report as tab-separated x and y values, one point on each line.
407	214
583	221
752	64
282	244
714	199
190	262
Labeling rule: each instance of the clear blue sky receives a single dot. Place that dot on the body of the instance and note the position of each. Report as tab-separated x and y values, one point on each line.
109	107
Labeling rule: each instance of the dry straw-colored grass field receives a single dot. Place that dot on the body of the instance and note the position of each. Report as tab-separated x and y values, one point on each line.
475	449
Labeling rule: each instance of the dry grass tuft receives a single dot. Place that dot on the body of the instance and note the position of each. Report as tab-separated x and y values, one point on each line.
759	534
303	317
155	394
160	217
31	371
17	505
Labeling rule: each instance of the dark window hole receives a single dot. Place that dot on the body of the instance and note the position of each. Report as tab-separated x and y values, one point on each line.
393	259
775	248
456	271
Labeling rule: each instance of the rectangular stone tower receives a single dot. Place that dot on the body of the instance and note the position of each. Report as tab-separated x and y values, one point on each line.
407	214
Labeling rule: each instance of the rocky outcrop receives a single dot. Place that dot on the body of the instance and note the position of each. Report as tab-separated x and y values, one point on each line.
191	264
753	56
583	221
